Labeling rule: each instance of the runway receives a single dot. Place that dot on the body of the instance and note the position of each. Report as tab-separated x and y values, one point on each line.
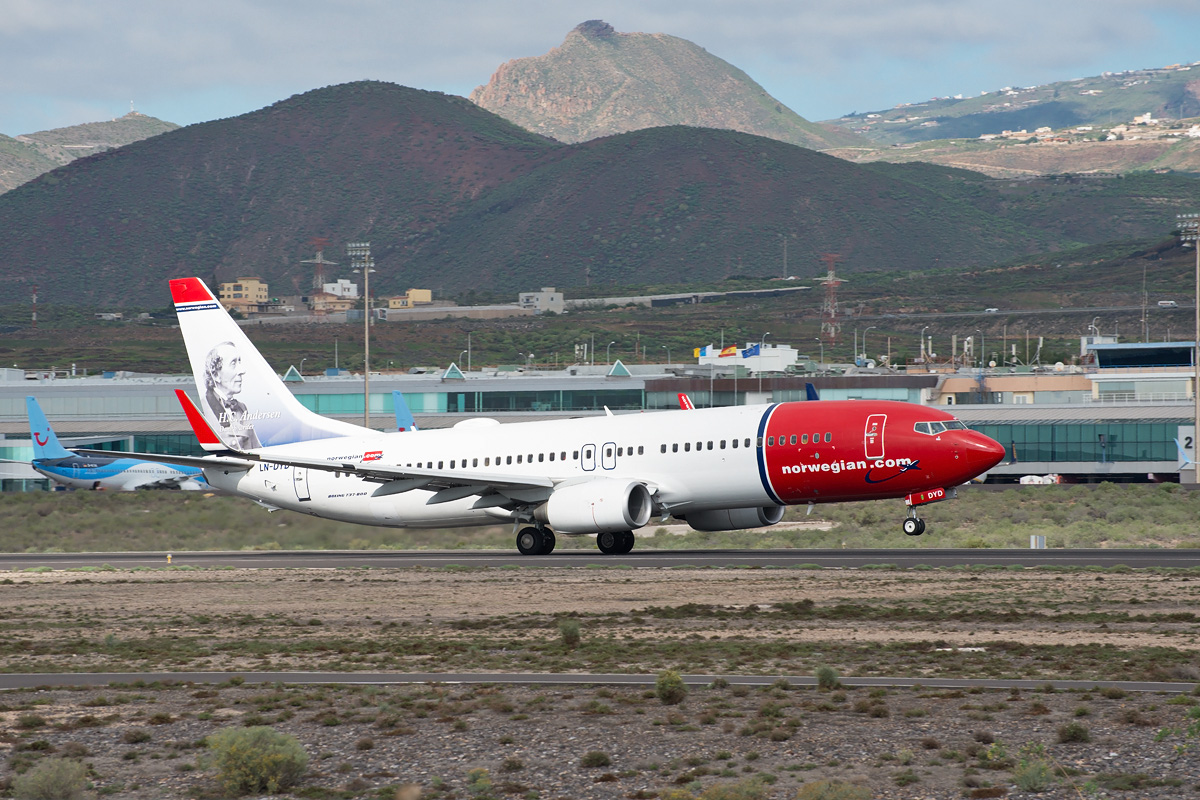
646	559
35	680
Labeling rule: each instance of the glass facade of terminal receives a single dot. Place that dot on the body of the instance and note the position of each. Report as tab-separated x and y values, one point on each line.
1102	441
451	402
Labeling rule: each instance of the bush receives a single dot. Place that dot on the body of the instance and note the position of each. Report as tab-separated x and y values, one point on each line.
52	779
595	758
827	678
569	630
832	790
258	759
670	688
1073	732
1033	772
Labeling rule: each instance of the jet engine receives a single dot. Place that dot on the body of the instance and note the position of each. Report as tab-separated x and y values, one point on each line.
734	519
597	506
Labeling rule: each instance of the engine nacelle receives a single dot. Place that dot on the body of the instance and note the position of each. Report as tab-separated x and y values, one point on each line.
596	506
734	519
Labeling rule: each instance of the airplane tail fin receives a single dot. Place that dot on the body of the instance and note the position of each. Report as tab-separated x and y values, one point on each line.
810	392
45	443
1184	461
242	399
404	415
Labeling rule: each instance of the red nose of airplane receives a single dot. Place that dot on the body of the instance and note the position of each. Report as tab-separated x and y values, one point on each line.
982	452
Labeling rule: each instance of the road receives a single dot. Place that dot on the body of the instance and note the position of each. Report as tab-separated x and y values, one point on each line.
649	559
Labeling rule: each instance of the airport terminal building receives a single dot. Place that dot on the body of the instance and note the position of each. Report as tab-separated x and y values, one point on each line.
1115	417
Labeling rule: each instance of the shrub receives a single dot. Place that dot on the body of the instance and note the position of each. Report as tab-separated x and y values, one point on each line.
595	758
568	629
670	688
1073	732
832	790
1033	772
827	678
52	779
257	759
135	736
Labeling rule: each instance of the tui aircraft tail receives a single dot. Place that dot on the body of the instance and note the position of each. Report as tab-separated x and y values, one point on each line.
243	400
45	443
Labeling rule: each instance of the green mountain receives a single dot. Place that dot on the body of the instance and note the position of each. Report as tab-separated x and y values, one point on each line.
600	82
31	154
456	199
1103	101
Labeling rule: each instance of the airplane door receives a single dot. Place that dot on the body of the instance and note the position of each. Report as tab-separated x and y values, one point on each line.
608	455
587	457
300	479
873	436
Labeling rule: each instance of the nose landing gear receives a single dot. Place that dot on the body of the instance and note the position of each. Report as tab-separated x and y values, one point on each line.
914	525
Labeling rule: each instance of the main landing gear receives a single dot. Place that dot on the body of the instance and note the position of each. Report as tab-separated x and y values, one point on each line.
615	543
535	541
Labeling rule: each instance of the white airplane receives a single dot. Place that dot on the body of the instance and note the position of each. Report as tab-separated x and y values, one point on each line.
717	469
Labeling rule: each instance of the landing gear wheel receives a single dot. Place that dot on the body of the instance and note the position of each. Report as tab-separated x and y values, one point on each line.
530	542
547	542
609	542
914	526
627	540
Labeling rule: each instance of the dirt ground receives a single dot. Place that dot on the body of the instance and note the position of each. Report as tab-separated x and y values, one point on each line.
535	741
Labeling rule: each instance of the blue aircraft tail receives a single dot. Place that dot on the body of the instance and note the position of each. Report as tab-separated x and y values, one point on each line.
404	417
45	443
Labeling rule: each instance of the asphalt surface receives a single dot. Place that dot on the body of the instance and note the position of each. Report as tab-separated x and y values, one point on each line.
36	680
650	559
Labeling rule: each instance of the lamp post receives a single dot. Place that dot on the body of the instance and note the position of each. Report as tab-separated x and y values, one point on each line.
981	348
1189	231
923	343
360	257
302	366
468	351
608	353
864	343
761	343
462	353
821	344
664	347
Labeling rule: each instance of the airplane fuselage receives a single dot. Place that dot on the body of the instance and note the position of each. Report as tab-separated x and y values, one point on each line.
697	460
116	474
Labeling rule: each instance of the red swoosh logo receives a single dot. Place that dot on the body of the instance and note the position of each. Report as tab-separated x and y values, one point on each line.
37	437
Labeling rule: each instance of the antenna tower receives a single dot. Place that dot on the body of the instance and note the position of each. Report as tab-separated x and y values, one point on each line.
830	327
319	242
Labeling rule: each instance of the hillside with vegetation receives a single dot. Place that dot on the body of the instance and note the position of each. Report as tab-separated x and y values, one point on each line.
25	157
599	82
453	198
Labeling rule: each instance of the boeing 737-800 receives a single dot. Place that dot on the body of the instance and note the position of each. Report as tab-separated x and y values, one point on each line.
716	468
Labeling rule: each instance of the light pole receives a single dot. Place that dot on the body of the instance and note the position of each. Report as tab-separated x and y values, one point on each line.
982	348
302	366
864	343
462	353
923	360
1189	231
468	351
761	343
608	353
360	257
664	347
821	344
1092	327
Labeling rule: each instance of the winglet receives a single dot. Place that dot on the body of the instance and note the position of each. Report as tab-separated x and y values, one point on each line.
204	433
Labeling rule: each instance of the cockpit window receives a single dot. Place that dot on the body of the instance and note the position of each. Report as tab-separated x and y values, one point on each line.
934	428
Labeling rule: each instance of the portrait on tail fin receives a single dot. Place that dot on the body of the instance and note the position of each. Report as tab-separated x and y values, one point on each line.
223	375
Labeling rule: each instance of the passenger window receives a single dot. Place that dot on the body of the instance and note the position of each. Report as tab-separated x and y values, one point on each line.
552	456
608	452
770	441
699	446
487	462
509	460
748	442
439	465
620	451
759	441
722	444
662	448
675	447
518	459
793	439
641	450
452	463
804	439
563	456
828	436
710	445
735	441
575	455
687	447
541	457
